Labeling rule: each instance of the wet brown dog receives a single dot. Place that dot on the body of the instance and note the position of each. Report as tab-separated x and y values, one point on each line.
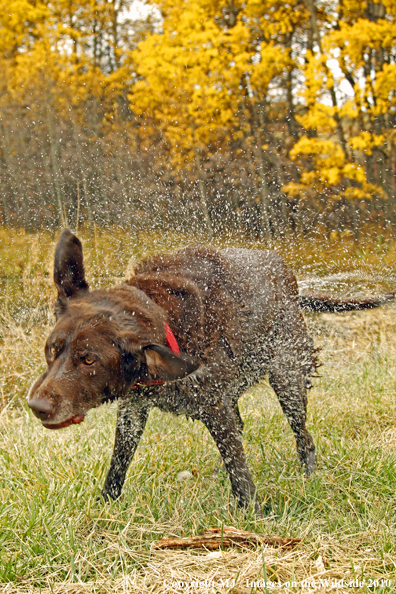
188	334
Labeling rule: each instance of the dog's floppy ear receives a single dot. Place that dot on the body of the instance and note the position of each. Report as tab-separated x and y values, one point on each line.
69	275
164	365
151	363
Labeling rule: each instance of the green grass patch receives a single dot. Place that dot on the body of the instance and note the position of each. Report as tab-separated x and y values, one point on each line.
54	529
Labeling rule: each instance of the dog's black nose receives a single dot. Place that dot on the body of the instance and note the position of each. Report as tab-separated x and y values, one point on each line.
41	408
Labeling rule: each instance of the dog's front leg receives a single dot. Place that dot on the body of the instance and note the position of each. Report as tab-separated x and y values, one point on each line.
131	421
224	429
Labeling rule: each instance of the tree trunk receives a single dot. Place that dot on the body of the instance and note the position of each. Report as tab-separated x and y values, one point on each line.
264	190
55	169
202	193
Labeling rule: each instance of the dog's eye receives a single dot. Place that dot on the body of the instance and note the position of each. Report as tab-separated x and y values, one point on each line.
52	351
89	361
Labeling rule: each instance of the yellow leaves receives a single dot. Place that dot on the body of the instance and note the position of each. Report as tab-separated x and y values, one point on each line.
364	192
322	151
296	190
329	166
19	19
196	73
366	141
203	79
363	35
362	48
314	73
355	172
390	7
331	176
319	117
385	86
275	18
348	110
353	9
273	60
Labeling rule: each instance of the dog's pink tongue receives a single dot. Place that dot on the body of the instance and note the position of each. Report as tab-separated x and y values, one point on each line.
77	419
73	421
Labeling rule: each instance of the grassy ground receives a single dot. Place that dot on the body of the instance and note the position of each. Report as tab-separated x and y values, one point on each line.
55	536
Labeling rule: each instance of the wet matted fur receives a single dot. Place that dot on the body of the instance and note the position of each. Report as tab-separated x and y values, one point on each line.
235	314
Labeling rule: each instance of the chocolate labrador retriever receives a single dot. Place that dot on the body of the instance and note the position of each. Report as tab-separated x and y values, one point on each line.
189	333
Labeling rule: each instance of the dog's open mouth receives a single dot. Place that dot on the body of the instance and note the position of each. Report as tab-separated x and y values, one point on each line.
73	421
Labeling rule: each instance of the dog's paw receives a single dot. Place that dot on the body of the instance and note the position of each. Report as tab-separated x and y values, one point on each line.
310	463
107	496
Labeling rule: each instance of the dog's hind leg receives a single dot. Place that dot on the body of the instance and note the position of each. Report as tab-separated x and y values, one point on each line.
131	421
288	372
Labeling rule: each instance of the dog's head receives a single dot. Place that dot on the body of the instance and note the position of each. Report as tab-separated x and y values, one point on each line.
103	343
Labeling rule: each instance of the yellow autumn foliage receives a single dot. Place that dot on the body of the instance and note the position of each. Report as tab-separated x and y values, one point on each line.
366	141
280	84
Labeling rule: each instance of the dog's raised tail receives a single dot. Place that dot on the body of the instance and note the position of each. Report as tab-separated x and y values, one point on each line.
321	302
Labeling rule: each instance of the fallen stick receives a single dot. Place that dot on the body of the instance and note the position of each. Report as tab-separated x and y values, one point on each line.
216	538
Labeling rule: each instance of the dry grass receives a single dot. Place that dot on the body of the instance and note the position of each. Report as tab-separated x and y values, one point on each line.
56	537
232	571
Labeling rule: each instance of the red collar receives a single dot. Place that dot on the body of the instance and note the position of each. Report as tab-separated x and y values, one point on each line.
171	340
174	347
